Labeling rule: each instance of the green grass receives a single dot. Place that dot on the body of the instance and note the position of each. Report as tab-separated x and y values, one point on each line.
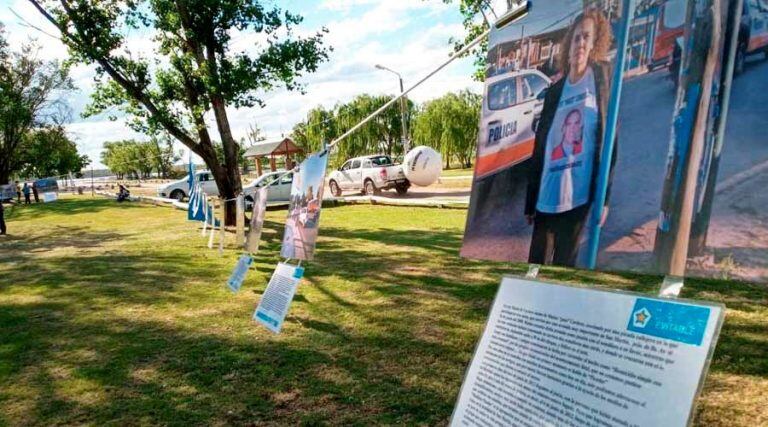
457	172
118	314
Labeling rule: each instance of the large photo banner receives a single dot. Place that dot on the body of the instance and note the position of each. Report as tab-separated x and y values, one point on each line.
542	142
542	127
659	211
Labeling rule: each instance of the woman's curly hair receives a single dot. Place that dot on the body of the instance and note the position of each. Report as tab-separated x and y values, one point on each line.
603	38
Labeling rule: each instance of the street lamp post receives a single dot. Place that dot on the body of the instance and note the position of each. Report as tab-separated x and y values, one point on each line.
403	104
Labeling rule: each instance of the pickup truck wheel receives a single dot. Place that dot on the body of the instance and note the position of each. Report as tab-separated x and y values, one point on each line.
177	195
401	189
335	189
369	189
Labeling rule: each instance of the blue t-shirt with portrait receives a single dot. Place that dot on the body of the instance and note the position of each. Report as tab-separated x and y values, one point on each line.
569	154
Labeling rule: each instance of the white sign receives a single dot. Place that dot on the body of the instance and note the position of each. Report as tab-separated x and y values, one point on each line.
559	355
50	197
235	281
277	298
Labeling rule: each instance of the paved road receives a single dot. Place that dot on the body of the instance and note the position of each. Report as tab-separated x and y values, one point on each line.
645	120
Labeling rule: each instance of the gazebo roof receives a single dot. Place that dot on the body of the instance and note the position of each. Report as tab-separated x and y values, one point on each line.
273	147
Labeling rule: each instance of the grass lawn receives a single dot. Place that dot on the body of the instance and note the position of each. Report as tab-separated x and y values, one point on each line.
118	314
458	172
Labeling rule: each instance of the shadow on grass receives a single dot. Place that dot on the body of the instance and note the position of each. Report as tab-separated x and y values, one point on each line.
80	205
22	247
148	371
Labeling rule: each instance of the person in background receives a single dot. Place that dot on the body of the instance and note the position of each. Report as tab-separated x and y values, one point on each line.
123	194
2	219
26	190
34	193
18	192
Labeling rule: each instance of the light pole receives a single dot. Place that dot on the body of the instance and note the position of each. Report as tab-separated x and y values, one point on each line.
406	144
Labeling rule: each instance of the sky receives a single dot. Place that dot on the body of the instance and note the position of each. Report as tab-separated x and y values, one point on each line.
409	36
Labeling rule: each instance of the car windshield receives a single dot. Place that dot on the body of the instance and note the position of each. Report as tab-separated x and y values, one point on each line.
381	161
501	95
265	180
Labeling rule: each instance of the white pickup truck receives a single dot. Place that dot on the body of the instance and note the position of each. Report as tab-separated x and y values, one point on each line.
369	174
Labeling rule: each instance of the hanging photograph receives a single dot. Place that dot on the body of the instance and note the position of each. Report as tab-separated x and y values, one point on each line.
544	132
303	220
662	205
258	214
542	127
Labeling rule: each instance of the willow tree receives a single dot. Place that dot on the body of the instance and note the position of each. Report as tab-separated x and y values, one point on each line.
194	72
450	124
379	136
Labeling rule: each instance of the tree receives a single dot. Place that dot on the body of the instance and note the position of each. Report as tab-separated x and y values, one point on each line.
194	71
49	152
450	123
163	155
380	135
31	92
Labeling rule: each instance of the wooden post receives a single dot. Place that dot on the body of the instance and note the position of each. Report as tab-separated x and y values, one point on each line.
272	164
240	222
258	165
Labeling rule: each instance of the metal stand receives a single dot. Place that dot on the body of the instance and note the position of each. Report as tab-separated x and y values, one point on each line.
671	287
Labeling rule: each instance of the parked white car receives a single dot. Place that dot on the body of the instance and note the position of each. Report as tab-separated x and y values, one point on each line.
279	191
179	190
369	174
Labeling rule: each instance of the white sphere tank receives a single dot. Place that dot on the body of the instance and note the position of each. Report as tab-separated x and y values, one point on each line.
422	166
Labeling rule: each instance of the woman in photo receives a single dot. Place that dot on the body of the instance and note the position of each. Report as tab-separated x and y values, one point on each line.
566	155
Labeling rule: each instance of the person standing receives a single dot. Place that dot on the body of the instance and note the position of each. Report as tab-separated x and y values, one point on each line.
2	219
34	192
18	192
568	144
25	190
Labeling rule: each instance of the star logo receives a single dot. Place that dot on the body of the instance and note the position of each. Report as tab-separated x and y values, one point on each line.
641	317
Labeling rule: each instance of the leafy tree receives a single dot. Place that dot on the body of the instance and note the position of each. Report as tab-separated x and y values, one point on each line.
450	123
163	155
49	152
31	99
139	159
380	135
194	71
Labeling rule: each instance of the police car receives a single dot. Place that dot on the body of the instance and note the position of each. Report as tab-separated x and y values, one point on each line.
511	109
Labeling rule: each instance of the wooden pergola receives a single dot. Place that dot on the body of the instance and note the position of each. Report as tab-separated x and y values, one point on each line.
272	148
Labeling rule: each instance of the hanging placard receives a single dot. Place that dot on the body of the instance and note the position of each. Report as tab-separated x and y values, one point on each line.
235	281
277	298
561	355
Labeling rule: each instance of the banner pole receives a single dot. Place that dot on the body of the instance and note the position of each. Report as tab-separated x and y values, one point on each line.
609	136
